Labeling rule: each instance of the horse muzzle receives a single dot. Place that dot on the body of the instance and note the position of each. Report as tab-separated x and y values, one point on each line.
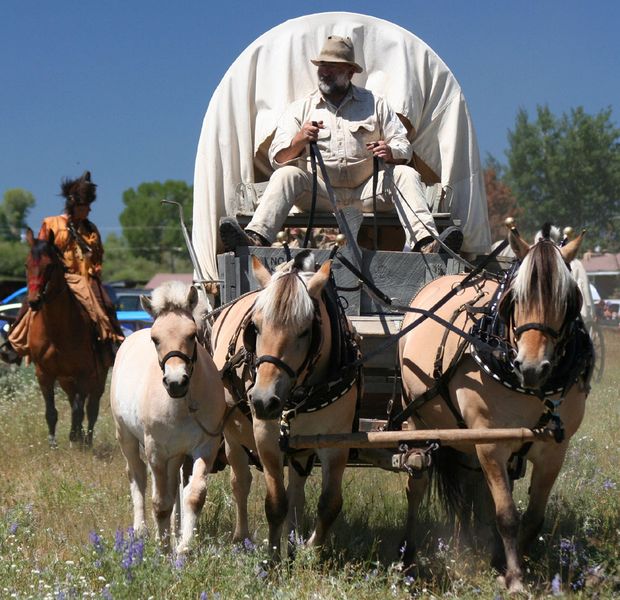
176	386
532	375
267	407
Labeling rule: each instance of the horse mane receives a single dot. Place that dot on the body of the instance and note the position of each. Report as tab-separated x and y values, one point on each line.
168	297
543	284
41	248
286	299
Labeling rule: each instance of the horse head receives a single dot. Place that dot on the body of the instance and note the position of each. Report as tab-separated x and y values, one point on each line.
543	300
174	333
283	330
43	268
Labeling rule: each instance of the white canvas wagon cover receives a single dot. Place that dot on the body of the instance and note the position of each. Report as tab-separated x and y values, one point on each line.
275	70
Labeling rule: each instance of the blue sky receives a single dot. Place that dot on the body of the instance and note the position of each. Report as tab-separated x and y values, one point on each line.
121	87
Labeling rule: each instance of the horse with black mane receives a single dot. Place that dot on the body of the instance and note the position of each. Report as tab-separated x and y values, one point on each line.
530	367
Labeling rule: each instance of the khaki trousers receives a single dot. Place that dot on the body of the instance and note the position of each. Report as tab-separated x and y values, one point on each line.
291	186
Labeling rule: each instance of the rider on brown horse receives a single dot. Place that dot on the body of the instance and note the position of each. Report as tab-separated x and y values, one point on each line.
79	244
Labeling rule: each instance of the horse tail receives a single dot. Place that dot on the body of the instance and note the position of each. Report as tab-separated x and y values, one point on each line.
448	483
460	486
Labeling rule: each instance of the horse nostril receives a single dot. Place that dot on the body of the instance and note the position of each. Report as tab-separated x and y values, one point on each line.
517	365
273	403
545	367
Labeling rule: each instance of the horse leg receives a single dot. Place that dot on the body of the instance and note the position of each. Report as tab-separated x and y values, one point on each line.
240	482
333	463
266	435
136	473
195	493
493	460
547	466
92	413
46	384
295	492
165	482
77	400
416	489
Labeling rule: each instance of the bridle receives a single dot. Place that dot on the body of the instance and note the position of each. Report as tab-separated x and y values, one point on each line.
507	310
42	281
190	361
250	334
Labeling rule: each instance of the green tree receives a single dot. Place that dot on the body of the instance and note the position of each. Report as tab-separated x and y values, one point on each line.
500	199
152	230
567	170
16	204
12	259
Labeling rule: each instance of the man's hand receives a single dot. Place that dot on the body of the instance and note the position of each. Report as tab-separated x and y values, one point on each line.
380	149
309	132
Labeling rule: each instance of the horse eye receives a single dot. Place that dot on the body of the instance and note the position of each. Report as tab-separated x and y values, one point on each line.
155	341
305	333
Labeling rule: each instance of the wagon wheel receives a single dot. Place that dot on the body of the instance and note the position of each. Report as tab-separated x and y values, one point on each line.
598	340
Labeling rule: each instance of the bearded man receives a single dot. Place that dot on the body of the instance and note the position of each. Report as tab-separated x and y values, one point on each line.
350	125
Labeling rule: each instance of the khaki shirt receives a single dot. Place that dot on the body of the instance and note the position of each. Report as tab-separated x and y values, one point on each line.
361	117
74	258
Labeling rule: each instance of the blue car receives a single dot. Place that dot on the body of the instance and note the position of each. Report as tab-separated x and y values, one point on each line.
130	320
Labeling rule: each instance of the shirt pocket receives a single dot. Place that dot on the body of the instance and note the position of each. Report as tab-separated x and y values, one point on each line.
362	133
324	141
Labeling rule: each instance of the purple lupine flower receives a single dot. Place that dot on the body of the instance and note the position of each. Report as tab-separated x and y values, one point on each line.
179	561
96	541
119	541
566	550
203	596
248	545
608	484
556	585
106	593
13	528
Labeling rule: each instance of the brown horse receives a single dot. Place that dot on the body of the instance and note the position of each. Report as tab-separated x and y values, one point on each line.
543	382
61	342
276	348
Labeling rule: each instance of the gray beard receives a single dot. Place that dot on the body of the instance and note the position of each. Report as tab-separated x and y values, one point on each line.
337	87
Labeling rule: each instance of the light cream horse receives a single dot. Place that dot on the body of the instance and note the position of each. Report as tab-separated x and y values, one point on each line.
168	399
274	347
541	307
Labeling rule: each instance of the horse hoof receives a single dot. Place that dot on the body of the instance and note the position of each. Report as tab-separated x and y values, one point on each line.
51	440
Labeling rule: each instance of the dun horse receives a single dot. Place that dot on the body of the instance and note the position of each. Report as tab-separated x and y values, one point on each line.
167	397
283	355
542	382
61	341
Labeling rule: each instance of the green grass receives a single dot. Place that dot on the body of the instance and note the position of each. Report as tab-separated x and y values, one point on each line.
65	516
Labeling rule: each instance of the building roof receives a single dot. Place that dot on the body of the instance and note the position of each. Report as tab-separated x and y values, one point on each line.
601	264
158	279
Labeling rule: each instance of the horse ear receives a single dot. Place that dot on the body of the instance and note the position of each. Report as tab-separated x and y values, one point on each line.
569	251
519	246
50	237
261	273
147	305
192	298
319	279
30	237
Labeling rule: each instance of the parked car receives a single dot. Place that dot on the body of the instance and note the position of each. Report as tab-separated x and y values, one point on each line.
126	300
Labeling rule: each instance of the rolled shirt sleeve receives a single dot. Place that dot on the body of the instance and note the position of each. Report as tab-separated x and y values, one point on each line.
361	118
